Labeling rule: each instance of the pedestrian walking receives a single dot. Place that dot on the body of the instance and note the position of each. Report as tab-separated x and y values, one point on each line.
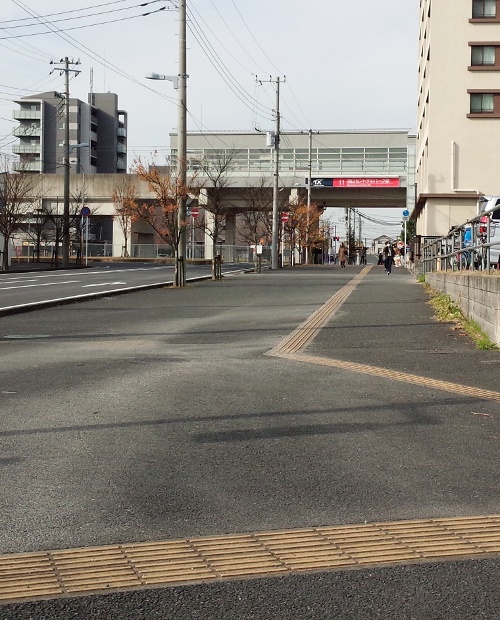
389	253
362	257
342	254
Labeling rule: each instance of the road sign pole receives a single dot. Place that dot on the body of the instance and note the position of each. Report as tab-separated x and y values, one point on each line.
406	215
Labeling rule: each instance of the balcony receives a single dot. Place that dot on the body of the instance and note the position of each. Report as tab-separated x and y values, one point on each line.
27	114
28	166
121	148
21	149
27	130
121	165
121	132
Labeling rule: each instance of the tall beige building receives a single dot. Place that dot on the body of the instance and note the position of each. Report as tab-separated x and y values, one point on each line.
458	132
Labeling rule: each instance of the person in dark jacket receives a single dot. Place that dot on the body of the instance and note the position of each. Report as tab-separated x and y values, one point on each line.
389	253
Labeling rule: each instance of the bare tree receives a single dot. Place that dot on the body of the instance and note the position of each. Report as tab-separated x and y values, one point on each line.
19	193
124	197
255	225
38	231
161	213
302	228
79	200
217	171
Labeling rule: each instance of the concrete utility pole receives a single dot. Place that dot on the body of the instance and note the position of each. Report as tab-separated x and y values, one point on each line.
276	143
309	189
180	267
275	231
66	224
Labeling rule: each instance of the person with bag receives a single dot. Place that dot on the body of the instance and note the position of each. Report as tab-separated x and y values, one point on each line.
389	253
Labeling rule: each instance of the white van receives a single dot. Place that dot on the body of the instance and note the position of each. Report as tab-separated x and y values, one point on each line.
491	207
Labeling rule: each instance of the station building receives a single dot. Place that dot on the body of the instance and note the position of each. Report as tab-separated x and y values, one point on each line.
361	169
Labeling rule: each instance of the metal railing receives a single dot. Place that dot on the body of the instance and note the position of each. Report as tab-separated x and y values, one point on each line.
465	247
147	251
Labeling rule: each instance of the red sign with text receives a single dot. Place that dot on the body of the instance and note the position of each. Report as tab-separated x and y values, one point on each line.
366	182
356	182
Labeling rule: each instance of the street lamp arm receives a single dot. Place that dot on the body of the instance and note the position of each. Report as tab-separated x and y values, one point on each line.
160	76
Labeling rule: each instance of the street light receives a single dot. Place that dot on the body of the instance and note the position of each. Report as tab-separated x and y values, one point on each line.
179	83
67	168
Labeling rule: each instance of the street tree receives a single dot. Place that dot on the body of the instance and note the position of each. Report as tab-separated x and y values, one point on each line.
217	170
161	212
303	229
37	231
20	194
255	224
77	222
124	197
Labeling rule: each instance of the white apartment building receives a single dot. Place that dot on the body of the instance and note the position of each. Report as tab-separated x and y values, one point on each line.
458	131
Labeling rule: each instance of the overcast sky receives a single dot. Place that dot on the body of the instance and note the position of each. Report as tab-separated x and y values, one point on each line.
348	64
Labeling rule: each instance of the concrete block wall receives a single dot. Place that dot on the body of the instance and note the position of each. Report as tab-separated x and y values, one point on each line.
477	295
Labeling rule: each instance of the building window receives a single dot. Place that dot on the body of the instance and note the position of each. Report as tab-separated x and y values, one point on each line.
482	103
483	55
482	9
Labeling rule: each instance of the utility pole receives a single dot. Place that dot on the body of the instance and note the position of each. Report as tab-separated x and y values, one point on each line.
275	230
309	182
66	224
275	220
180	267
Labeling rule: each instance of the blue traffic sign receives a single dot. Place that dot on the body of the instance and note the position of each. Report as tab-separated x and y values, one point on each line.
406	213
85	212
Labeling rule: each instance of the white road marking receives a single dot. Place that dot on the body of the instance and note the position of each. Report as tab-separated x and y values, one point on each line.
102	284
7	288
17	280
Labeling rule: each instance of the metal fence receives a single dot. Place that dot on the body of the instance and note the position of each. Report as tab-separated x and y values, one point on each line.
465	247
146	251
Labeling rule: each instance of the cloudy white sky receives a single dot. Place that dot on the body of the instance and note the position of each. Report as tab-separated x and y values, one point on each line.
348	64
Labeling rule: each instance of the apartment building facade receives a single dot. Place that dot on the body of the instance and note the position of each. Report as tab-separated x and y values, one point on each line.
458	131
41	132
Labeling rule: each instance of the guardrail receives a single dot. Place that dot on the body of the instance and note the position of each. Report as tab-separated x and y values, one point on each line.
465	247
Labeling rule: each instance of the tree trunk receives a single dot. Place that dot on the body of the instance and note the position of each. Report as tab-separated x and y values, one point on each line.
5	254
214	260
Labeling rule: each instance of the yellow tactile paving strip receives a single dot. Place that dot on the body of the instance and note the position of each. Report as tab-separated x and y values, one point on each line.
90	570
292	347
394	375
306	331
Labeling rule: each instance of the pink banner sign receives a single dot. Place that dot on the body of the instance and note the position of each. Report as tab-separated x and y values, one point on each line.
367	182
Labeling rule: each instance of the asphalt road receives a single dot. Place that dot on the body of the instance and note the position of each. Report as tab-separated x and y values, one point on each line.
156	415
33	287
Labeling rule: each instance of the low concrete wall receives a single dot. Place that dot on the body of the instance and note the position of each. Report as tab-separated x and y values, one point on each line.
477	295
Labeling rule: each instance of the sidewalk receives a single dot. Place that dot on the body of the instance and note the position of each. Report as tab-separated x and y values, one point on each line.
387	322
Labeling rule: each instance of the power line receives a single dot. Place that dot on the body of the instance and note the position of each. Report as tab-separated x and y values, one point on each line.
221	68
253	37
112	21
88	8
66	19
236	38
